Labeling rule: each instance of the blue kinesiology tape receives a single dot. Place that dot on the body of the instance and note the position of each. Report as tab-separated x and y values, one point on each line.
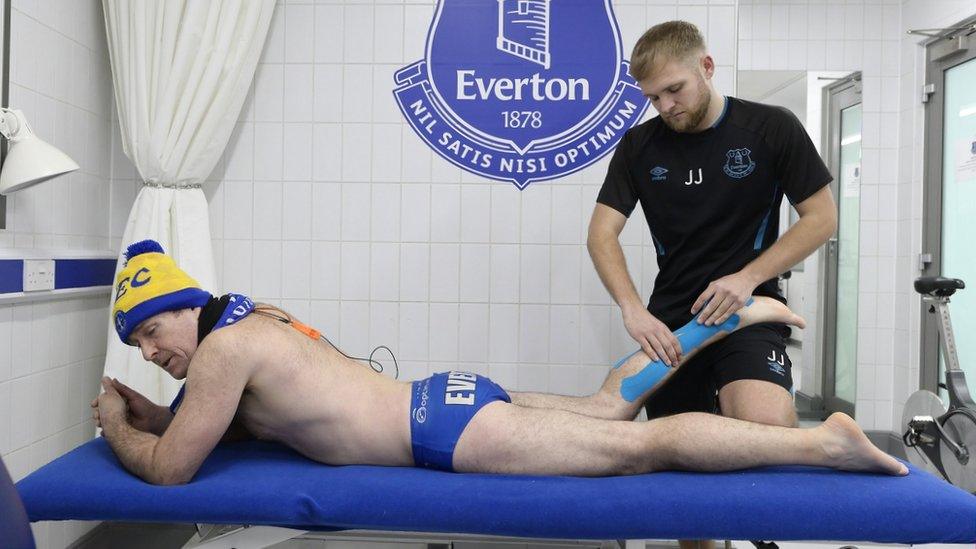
691	336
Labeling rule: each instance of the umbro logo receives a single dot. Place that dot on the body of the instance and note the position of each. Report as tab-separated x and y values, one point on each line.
658	173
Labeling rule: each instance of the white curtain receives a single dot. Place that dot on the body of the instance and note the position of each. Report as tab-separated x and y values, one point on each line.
182	69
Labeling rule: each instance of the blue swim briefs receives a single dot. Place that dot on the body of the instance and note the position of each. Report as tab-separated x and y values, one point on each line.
441	407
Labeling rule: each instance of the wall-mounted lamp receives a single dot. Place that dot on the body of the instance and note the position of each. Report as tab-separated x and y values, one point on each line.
24	159
29	159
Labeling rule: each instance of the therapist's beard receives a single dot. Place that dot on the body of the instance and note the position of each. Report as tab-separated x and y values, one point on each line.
693	116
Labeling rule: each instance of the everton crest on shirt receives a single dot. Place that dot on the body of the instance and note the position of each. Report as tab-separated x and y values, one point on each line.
521	90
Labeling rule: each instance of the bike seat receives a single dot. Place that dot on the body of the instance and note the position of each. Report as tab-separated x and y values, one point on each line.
938	286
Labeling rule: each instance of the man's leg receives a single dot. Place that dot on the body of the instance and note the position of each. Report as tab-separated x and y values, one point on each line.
755	401
608	402
753	353
755	376
503	438
759	402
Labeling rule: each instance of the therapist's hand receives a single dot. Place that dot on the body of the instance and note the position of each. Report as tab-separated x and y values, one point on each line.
109	406
722	298
654	337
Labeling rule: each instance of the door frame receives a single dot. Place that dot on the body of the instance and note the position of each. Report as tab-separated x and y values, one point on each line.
838	96
941	54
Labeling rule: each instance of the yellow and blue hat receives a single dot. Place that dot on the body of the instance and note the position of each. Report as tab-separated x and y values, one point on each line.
149	284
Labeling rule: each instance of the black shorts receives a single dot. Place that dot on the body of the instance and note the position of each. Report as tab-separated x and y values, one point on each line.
754	352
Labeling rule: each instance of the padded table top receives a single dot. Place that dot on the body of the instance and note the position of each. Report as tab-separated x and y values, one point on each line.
263	483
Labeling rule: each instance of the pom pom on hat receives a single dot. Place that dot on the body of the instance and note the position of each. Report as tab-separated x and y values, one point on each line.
143	247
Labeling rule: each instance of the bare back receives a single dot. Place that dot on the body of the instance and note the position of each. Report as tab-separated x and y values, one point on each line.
305	394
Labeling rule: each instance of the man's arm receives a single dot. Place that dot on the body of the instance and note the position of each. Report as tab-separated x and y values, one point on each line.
818	220
148	417
603	243
216	379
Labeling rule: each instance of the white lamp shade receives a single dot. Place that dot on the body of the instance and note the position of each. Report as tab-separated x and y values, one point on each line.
31	160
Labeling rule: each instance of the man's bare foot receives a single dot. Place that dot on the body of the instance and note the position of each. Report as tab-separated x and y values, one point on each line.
767	309
847	448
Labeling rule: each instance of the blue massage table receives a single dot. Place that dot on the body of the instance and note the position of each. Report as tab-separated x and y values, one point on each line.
279	495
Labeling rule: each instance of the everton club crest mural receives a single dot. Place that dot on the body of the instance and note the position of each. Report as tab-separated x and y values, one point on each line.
521	90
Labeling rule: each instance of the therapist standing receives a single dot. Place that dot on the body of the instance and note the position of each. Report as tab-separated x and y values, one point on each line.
710	173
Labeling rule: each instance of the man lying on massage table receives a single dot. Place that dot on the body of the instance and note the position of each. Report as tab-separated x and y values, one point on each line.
255	371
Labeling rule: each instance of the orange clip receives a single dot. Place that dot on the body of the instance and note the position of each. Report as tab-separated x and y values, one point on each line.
307	330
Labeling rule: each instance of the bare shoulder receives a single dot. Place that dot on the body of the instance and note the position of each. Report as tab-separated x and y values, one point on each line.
247	342
227	351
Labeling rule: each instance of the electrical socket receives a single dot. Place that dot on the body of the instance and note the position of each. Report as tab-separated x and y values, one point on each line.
38	274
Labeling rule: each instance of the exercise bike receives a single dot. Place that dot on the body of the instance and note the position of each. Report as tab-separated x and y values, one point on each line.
938	439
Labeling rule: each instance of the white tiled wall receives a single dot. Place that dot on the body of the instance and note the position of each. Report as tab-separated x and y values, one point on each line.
869	36
864	36
60	78
327	203
52	353
51	358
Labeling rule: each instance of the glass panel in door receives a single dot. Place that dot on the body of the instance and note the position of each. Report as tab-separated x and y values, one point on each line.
848	229
959	207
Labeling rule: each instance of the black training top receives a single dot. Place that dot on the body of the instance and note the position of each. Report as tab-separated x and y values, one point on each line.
712	198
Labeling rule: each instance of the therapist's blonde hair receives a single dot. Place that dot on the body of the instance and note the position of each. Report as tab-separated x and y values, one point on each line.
669	41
